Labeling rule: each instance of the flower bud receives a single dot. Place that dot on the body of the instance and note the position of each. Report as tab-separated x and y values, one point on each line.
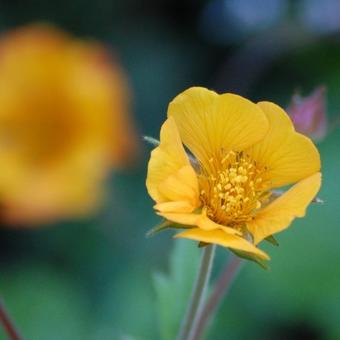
309	114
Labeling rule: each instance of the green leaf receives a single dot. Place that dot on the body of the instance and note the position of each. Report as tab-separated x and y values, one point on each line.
251	257
173	290
272	240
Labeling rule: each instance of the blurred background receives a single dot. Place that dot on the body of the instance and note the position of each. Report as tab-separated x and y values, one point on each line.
89	272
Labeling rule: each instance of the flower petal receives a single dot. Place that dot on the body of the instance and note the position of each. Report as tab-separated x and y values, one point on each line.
280	213
170	174
208	122
288	155
206	223
182	185
181	218
199	220
221	238
175	206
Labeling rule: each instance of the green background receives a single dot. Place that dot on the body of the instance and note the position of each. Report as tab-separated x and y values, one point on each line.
95	279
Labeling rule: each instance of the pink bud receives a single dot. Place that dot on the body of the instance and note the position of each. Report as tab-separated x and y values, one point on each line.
309	114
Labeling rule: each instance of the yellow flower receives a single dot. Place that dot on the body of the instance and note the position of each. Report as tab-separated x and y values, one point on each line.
64	122
241	151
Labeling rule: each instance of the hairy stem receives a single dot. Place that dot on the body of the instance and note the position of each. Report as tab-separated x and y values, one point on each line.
198	293
221	288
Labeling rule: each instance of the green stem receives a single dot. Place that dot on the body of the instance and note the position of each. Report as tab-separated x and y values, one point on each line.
220	290
198	293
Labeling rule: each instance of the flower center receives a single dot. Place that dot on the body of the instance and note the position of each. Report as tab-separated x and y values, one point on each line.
40	131
233	188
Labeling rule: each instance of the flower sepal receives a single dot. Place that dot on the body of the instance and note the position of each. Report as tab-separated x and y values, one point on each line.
271	239
165	225
202	244
251	257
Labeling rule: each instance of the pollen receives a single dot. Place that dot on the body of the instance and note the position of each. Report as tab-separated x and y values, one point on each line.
233	188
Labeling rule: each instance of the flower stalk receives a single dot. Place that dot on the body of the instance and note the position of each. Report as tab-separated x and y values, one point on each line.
7	323
198	293
221	288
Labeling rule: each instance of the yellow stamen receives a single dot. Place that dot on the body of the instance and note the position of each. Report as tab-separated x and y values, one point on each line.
233	189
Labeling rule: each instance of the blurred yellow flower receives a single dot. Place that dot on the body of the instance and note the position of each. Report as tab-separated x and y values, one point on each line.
241	151
64	122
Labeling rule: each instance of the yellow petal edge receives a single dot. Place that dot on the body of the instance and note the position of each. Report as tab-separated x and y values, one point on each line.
288	155
278	215
171	177
208	122
223	239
